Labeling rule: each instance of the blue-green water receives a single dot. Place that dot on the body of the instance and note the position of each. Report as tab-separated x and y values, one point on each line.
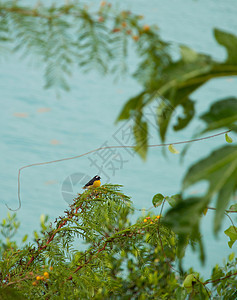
37	126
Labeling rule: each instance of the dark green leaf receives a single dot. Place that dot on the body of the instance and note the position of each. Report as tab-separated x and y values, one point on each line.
157	200
173	200
188	111
129	109
184	220
220	170
222	113
229	41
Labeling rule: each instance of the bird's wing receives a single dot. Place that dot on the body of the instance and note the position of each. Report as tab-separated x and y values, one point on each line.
90	182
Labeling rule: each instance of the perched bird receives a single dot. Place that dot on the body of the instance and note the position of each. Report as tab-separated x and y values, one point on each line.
94	182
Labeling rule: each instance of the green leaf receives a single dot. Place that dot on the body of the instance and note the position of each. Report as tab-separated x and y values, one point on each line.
220	170
133	105
222	114
184	220
231	232
233	207
172	149
188	112
157	200
184	215
228	138
173	200
229	41
231	256
189	281
36	235
140	131
188	54
24	238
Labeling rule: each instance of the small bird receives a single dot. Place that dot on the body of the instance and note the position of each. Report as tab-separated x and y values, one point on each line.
94	182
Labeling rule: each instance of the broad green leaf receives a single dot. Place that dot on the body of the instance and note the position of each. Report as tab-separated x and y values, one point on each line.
189	281
172	149
173	200
220	170
157	200
184	220
182	217
133	105
222	114
228	138
180	293
180	79
229	41
231	232
188	114
188	54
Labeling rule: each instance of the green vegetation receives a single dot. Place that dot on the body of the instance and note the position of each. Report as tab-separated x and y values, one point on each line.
121	259
133	260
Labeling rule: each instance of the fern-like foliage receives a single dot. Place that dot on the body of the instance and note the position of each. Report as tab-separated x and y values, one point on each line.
101	218
62	37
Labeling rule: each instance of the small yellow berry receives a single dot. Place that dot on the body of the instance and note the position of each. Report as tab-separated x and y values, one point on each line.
51	268
151	222
34	283
46	275
158	217
145	220
38	277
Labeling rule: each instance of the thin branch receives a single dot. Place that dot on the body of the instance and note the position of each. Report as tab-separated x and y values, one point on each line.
103	148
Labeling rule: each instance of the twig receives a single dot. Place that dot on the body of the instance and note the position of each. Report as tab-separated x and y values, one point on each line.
103	148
